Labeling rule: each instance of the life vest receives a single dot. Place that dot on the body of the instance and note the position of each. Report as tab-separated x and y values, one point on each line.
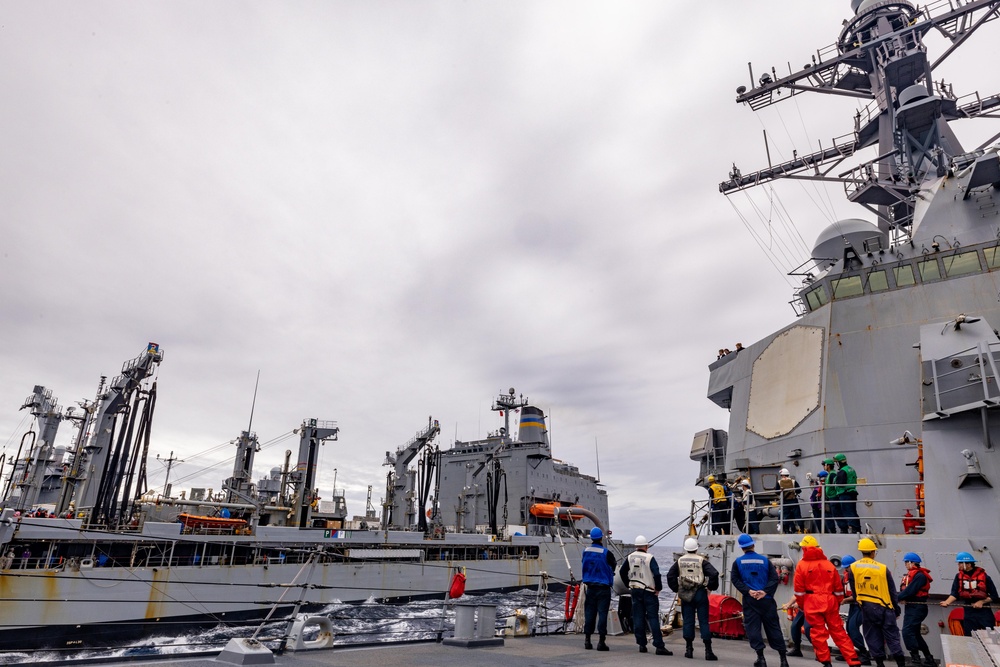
754	569
690	576
831	490
871	584
640	574
595	566
972	585
849	481
925	589
718	493
846	581
788	489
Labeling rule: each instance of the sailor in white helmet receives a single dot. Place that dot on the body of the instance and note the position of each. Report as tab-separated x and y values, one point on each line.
692	577
791	513
642	574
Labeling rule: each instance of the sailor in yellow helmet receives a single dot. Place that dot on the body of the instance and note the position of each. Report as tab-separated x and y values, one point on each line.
875	591
720	506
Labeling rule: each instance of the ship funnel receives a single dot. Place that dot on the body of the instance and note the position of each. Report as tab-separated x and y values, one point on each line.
532	429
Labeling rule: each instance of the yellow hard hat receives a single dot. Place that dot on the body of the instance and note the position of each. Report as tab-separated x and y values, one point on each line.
866	544
808	541
710	478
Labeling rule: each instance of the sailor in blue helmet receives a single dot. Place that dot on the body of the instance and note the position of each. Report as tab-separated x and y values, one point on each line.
853	624
754	576
915	587
599	576
975	589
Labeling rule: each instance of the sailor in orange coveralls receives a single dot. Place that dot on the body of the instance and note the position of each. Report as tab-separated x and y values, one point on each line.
818	592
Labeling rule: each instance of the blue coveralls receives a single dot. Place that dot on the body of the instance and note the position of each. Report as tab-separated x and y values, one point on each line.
754	572
599	575
914	614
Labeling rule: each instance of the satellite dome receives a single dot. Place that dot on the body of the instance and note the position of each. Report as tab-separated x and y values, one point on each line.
853	232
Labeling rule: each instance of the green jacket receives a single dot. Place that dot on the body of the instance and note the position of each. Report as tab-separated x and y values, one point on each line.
848	478
830	491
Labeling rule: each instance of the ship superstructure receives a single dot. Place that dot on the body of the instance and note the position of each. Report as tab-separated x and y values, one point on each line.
893	357
105	560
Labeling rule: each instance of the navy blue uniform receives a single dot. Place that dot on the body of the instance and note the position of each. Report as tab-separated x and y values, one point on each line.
699	604
599	575
754	572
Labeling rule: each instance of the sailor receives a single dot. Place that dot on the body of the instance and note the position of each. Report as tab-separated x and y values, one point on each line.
847	496
816	499
692	577
853	625
915	587
739	510
830	492
599	576
818	593
719	500
754	576
798	628
875	591
642	574
975	589
749	507
791	514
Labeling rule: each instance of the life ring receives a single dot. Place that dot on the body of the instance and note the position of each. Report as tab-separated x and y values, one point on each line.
572	597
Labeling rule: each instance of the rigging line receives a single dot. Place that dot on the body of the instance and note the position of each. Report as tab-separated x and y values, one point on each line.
780	247
785	213
784	274
787	242
782	212
815	186
824	191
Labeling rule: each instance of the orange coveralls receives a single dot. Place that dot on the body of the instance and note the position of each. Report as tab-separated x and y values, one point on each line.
818	592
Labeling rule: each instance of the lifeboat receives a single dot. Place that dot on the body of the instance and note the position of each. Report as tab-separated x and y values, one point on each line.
210	522
548	510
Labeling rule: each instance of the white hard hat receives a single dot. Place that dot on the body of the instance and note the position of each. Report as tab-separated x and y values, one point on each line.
745	482
641	541
783	471
691	544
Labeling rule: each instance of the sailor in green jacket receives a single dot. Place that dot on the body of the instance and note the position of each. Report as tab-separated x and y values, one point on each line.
847	496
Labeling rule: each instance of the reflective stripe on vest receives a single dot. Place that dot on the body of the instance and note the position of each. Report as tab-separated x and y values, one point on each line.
871	583
972	585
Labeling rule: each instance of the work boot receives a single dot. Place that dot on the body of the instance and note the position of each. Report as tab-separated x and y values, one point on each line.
865	657
663	650
915	658
796	651
827	664
900	660
929	660
586	643
601	646
784	661
643	649
708	651
760	662
879	662
689	650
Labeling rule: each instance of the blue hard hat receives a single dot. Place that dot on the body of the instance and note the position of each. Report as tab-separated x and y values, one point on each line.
964	557
596	534
744	541
847	560
910	557
822	473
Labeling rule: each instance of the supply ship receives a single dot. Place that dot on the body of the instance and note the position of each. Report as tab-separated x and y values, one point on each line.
892	357
90	557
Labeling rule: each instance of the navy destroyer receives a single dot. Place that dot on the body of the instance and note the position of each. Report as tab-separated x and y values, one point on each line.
89	556
891	362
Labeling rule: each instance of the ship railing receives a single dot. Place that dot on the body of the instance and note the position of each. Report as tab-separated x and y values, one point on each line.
888	515
982	373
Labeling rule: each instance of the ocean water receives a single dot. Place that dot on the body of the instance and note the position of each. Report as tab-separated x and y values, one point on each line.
370	622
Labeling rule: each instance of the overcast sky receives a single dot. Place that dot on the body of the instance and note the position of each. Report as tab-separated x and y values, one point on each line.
396	210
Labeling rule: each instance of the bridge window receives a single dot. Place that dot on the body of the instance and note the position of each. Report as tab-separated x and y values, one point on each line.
846	287
877	281
929	270
904	276
816	297
992	257
959	265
